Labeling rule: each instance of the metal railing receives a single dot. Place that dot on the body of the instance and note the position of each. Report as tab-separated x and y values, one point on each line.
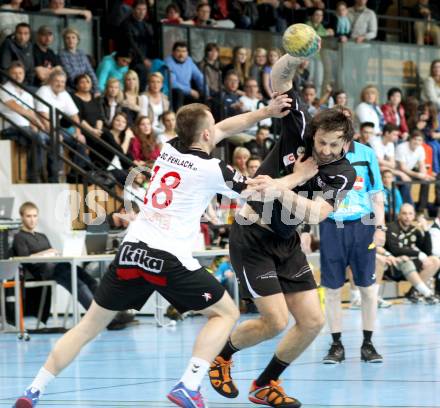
57	145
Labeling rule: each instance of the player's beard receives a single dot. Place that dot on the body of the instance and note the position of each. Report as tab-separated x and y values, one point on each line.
322	161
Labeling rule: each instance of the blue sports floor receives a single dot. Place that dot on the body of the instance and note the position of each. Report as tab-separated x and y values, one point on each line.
136	367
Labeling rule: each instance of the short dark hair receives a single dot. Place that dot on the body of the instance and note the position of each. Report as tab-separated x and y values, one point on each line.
392	91
124	53
253	158
20	25
190	122
332	120
210	47
389	127
16	64
230	73
180	44
200	5
263	128
80	77
172	6
366	124
416	133
28	205
308	86
140	3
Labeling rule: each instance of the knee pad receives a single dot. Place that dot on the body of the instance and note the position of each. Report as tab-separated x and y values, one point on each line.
407	268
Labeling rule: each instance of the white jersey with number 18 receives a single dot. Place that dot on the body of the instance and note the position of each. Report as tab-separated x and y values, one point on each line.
182	185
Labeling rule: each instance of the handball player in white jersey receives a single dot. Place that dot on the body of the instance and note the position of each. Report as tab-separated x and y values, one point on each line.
156	254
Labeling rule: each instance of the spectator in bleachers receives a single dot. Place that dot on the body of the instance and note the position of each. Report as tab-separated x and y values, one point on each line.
91	114
340	23
240	64
411	240
429	28
203	18
366	133
369	110
309	97
243	13
316	66
252	165
210	67
55	95
363	22
114	65
137	34
431	85
384	147
144	147
231	98
58	7
18	107
259	60
111	100
251	102
262	144
45	59
390	195
273	56
394	112
187	8
172	15
158	102
75	61
18	47
240	156
133	103
302	75
340	98
120	137
184	72
292	12
268	16
8	21
168	120
410	158
428	123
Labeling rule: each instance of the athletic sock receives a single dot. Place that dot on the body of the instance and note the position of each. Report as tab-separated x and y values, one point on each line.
228	350
336	337
193	376
423	289
271	372
42	380
367	336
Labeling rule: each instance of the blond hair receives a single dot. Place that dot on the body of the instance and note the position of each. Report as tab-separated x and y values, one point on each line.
112	81
136	76
28	205
71	30
368	88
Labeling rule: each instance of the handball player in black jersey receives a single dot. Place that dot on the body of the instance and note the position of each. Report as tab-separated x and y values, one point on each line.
265	248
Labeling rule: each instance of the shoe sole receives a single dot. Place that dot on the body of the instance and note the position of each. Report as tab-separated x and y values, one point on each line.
23	403
220	392
175	401
372	361
332	362
259	402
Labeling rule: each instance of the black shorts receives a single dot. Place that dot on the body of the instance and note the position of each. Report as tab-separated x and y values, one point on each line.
266	264
138	270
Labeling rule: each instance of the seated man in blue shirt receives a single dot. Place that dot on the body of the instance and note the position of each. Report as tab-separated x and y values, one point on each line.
184	73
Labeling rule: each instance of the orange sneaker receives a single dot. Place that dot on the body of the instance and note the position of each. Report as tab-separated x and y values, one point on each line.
220	377
272	395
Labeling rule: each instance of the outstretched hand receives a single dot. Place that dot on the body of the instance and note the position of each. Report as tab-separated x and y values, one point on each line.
279	105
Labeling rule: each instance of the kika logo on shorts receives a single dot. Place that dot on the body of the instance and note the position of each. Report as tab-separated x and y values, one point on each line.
138	257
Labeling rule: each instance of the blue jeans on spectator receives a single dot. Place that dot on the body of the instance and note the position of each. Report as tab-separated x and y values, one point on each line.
61	273
33	142
405	191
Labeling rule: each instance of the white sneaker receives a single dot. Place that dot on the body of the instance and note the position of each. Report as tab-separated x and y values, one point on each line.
355	304
383	304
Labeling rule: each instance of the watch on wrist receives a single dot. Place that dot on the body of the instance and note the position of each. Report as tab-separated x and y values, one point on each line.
381	228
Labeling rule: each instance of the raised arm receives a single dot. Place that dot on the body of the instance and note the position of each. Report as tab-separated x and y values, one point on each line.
277	108
283	72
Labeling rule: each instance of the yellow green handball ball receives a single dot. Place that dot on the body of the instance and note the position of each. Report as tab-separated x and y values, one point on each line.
300	40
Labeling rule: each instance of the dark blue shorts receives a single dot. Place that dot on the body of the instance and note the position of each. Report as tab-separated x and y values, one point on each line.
347	246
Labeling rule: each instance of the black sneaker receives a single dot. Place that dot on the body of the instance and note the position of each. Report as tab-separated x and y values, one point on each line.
336	354
412	296
431	300
369	353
